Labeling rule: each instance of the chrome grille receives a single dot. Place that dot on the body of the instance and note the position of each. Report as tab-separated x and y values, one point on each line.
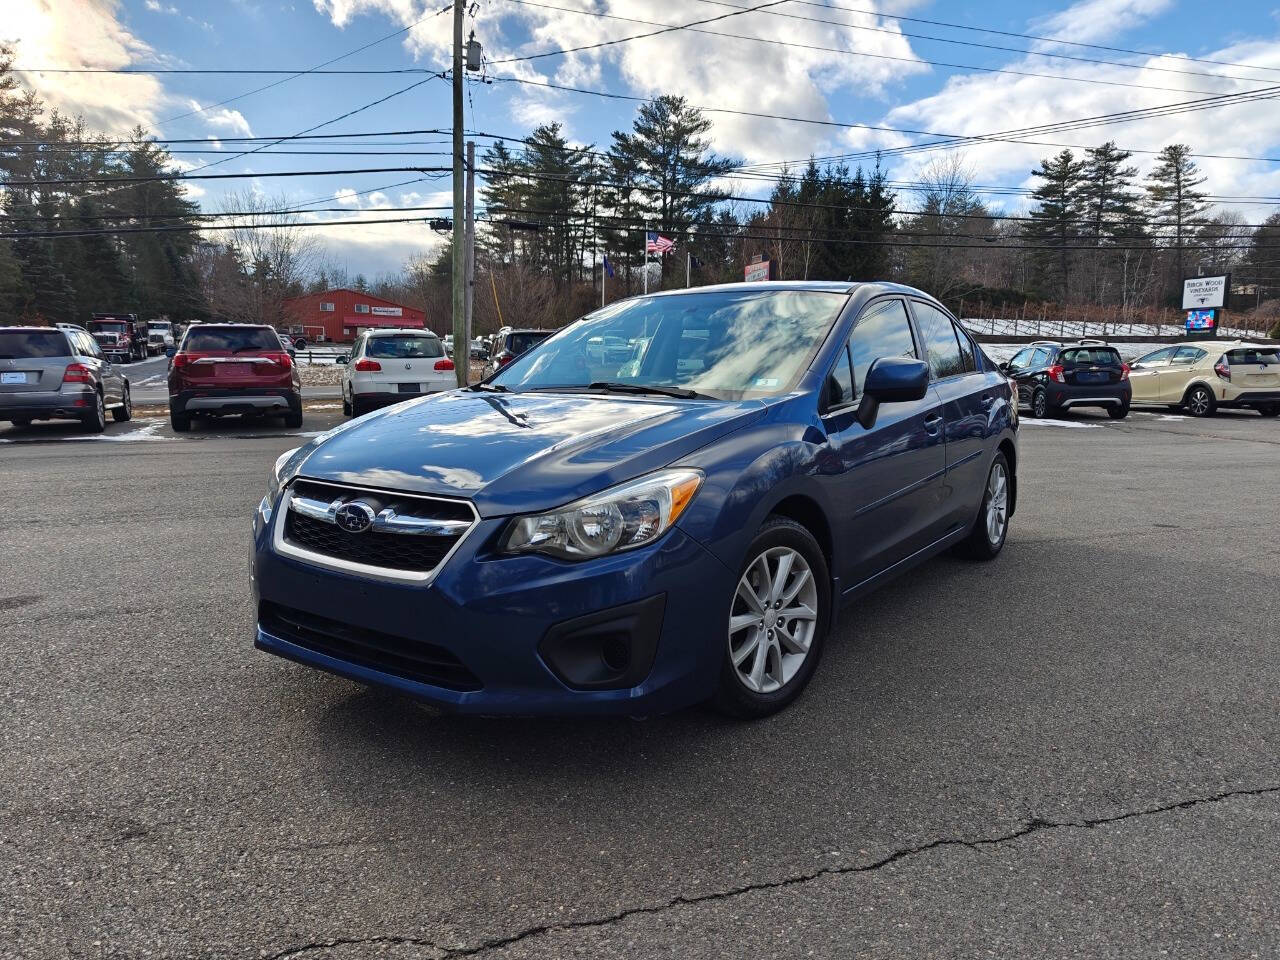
383	533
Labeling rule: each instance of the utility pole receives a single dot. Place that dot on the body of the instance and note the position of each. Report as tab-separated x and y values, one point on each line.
471	244
461	345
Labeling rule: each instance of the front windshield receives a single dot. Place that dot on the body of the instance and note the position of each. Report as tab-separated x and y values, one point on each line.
728	344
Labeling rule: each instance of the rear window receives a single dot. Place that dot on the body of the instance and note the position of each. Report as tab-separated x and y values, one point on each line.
1254	355
403	347
27	344
231	338
1102	356
520	342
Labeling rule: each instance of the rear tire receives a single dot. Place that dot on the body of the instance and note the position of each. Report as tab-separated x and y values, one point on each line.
358	409
22	422
1039	404
293	419
1118	413
776	654
124	412
991	526
1200	402
95	421
1269	410
346	406
180	421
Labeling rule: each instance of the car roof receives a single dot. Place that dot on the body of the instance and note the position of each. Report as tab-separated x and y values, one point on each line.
387	331
32	328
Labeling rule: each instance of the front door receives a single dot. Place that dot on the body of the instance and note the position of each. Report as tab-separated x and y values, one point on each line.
887	480
1144	375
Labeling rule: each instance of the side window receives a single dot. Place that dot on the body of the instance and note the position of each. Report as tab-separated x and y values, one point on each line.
840	382
966	349
1157	357
1040	358
1021	360
939	340
1187	355
89	346
882	331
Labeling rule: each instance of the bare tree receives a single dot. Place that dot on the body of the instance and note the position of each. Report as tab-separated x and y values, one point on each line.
276	256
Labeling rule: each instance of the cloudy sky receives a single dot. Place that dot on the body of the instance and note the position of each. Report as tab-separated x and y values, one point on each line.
953	68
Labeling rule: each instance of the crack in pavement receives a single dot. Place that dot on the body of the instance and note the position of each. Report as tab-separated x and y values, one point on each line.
1032	825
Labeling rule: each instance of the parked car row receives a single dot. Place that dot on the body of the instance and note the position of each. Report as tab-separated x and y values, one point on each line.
1197	377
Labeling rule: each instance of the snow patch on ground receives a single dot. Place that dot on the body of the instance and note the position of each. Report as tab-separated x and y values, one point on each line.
1070	424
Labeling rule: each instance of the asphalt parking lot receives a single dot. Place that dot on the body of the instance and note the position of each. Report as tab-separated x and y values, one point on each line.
1073	751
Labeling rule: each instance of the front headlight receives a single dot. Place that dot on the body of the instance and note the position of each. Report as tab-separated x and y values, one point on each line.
281	472
620	518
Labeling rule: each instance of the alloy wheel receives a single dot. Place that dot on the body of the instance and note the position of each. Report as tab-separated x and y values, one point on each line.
1039	405
997	503
773	619
1198	402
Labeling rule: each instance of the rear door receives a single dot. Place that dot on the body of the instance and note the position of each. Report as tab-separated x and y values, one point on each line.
889	477
966	398
1091	366
1173	377
91	354
32	361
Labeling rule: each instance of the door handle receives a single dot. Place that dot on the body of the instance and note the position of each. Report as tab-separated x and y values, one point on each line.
931	424
987	400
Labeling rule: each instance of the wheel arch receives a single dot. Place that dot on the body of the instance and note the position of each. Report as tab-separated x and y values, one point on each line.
1010	452
806	511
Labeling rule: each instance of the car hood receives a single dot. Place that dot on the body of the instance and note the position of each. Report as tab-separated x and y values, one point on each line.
520	452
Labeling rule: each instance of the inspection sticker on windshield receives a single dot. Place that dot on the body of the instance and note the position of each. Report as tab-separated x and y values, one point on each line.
766	382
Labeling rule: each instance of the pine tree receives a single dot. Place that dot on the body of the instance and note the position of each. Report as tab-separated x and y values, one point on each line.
1055	220
1173	198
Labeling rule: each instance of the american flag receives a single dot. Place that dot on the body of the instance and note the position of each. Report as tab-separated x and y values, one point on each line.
653	243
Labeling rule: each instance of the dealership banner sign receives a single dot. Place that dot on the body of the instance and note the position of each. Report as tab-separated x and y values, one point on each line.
387	311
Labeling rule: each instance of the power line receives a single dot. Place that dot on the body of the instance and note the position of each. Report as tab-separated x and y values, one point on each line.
276	83
666	28
1028	36
858	53
349	113
178	178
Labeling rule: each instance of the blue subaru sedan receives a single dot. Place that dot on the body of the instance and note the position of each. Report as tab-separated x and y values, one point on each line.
672	520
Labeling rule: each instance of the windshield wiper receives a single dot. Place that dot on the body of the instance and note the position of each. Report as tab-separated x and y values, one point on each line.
614	387
489	388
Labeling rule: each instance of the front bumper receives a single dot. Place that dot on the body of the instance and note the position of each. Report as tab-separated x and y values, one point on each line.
46	405
517	624
248	400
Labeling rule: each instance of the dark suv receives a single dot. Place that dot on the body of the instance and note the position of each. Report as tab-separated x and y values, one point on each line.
511	343
59	374
223	368
1053	377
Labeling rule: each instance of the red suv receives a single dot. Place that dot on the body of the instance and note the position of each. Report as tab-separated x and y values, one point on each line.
223	368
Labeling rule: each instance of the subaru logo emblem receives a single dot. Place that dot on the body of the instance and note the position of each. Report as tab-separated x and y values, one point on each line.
355	517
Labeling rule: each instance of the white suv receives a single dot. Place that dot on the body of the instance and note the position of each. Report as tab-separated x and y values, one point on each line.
387	366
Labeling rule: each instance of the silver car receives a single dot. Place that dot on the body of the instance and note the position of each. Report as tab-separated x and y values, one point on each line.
50	373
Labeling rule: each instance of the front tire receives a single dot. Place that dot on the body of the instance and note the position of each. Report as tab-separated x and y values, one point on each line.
991	528
1200	402
777	622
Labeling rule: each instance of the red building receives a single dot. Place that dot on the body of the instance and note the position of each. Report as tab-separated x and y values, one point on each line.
342	314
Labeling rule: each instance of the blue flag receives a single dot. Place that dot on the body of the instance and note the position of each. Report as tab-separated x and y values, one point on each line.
608	268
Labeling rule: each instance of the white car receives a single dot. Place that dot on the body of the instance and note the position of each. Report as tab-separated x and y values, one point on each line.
387	366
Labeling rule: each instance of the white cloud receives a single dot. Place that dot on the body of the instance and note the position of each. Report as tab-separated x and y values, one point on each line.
156	7
85	33
1092	21
225	118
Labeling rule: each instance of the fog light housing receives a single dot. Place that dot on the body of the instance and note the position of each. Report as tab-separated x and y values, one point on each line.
613	649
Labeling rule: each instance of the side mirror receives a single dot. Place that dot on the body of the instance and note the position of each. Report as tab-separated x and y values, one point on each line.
1003	366
1135	366
891	380
170	351
343	358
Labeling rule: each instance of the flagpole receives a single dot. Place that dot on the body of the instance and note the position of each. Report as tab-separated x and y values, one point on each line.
688	267
646	258
604	272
